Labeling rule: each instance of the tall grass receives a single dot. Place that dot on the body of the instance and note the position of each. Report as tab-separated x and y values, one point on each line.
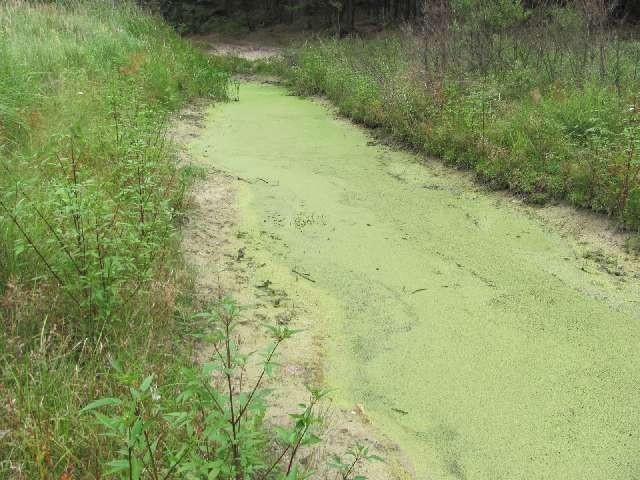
89	197
544	103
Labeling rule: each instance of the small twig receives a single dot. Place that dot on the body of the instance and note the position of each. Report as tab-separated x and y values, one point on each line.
63	246
306	276
175	465
355	462
14	219
274	464
243	408
151	455
213	397
233	420
295	449
129	449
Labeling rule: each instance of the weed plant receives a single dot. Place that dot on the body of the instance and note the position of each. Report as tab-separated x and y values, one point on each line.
209	424
94	300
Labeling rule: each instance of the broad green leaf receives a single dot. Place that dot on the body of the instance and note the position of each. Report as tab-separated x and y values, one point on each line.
136	430
146	383
213	473
103	402
311	439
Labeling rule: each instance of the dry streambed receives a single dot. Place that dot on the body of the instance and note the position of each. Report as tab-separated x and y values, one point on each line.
484	341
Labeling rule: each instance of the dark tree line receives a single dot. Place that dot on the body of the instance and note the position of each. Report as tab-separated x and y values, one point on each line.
343	15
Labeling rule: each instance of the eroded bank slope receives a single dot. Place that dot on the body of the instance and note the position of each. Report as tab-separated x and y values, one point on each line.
482	341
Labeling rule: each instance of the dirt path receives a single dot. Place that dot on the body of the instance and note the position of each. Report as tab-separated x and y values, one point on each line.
486	342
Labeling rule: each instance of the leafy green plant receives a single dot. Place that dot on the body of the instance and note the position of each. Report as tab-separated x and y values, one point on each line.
89	186
347	466
209	425
89	196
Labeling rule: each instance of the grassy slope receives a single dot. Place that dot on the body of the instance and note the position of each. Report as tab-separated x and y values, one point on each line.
543	122
89	268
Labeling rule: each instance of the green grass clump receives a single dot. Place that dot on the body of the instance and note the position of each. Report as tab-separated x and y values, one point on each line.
89	196
543	114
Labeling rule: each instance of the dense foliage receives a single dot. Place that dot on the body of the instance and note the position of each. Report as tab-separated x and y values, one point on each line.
89	196
343	16
542	102
97	373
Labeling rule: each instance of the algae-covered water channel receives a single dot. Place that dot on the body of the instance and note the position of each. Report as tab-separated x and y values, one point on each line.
475	337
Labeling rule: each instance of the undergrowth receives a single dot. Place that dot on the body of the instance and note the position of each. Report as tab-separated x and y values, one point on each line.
98	377
209	423
89	199
541	102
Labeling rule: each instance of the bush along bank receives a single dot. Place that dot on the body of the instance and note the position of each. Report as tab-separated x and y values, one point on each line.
89	199
542	102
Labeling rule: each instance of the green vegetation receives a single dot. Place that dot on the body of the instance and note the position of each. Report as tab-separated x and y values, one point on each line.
89	196
543	102
97	377
209	424
476	337
97	322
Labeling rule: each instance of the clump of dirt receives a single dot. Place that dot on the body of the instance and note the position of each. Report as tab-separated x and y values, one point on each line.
226	263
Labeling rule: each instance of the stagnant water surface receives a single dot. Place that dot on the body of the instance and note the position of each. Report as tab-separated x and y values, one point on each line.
475	337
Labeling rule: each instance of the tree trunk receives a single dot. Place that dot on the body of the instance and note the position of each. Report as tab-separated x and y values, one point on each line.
347	18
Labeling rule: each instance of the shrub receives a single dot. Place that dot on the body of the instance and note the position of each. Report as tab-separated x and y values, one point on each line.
548	114
89	193
89	187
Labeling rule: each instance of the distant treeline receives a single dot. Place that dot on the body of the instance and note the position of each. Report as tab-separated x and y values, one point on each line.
344	15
